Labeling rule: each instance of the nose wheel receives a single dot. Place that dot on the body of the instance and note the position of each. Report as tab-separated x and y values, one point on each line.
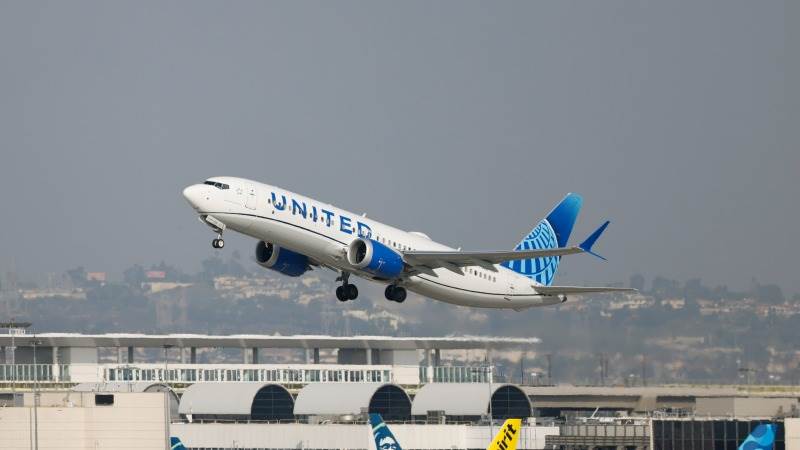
346	291
395	293
218	242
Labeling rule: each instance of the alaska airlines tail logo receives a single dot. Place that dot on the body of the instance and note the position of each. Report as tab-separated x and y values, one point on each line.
176	444
541	270
507	437
384	439
761	438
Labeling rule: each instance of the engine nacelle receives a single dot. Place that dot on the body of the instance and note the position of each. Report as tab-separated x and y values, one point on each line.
279	259
373	257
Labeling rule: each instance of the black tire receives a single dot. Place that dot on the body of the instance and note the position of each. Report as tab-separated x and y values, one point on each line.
340	294
400	294
389	293
214	243
220	243
352	291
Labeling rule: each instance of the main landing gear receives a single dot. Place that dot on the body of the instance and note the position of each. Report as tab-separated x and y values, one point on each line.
346	291
395	293
218	242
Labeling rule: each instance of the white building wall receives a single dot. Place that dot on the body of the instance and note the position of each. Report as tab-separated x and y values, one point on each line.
72	421
792	434
85	373
330	436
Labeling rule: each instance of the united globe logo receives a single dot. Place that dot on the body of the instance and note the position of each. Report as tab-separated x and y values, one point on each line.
541	270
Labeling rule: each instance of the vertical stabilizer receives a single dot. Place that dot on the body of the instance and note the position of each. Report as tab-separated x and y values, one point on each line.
552	232
176	444
761	438
384	439
507	437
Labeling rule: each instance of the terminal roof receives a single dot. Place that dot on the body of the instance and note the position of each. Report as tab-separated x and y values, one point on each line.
455	399
221	398
266	341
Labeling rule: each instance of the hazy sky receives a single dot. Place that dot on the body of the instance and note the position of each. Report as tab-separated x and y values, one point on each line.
678	121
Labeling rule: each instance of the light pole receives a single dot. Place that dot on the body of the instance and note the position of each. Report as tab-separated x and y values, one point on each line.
489	376
35	397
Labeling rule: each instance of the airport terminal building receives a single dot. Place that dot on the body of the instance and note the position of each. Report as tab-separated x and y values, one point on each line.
65	359
58	392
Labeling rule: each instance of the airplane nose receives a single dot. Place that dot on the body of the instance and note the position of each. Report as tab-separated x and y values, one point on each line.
193	194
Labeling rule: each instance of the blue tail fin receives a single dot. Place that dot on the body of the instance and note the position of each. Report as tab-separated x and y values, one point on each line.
552	232
384	439
176	444
761	438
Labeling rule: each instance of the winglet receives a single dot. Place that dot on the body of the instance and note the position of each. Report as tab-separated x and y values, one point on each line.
589	242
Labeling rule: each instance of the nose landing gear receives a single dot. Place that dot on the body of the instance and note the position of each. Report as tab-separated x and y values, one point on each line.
395	293
218	242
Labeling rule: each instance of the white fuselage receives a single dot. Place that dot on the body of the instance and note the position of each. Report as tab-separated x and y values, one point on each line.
322	232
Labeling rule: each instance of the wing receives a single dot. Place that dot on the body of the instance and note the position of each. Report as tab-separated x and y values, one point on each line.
564	290
454	260
441	259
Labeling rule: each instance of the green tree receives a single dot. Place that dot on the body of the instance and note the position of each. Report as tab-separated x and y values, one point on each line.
134	276
77	276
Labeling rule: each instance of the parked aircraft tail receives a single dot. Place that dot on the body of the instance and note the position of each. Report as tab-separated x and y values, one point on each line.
761	438
384	439
507	437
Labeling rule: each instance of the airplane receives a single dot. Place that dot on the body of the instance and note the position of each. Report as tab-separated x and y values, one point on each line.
296	233
505	439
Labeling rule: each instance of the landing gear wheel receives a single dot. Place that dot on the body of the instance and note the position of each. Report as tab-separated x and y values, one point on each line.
395	293
400	294
346	291
218	242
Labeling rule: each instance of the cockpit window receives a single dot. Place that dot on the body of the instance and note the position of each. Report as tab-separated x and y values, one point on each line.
217	185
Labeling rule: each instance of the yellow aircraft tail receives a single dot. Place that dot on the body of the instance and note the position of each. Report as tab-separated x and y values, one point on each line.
506	438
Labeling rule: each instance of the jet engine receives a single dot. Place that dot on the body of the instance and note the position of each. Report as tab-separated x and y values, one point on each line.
287	262
373	257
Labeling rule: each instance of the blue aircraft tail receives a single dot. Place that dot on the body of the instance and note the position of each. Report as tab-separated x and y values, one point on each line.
176	444
761	438
384	439
552	232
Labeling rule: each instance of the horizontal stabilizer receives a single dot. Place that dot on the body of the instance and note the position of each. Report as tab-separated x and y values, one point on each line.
569	290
